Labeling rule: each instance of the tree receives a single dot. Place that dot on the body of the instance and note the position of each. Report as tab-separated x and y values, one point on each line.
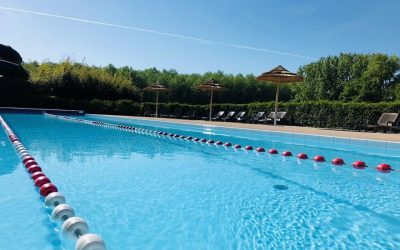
349	77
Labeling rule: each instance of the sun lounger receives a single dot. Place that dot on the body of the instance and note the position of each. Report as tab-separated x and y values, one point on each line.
267	119
280	116
163	113
240	117
218	116
257	117
177	113
190	114
385	122
229	117
148	112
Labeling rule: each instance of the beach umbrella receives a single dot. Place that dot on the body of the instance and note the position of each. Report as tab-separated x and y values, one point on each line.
157	88
211	86
9	54
12	70
279	75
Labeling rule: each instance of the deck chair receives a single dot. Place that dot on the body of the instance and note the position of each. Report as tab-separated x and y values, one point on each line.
163	113
218	116
257	117
177	113
280	116
267	119
190	114
240	117
148	112
385	122
229	117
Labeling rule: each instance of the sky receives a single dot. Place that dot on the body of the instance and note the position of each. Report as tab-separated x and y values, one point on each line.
197	36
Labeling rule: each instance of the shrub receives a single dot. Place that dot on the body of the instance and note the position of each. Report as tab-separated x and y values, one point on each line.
323	114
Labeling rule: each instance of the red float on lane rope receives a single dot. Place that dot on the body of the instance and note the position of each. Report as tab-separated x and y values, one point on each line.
41	181
260	149
34	168
219	143
47	189
28	158
338	161
287	153
383	167
359	164
302	156
237	146
210	141
248	147
30	163
273	151
36	175
227	144
319	158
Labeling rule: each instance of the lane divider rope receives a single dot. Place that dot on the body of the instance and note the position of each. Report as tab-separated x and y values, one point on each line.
383	167
73	227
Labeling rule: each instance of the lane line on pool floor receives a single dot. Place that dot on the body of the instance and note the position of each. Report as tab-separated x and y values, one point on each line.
73	227
383	167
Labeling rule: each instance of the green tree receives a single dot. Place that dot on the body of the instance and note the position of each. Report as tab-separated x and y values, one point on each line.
349	77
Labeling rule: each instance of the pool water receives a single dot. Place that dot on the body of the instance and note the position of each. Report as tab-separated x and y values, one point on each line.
143	191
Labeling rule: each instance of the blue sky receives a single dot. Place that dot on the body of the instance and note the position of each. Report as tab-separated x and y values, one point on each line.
287	32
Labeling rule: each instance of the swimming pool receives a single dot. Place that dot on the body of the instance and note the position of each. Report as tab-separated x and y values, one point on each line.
142	190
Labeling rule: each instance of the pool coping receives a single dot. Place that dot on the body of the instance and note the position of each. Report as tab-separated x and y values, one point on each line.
364	136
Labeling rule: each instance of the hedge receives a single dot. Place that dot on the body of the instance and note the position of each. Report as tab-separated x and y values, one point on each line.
323	114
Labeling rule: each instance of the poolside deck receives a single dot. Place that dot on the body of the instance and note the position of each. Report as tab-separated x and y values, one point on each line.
281	128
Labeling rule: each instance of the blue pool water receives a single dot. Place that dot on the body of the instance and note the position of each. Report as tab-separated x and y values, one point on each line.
141	191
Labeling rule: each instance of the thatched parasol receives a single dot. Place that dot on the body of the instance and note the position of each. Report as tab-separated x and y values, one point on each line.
157	87
279	75
211	86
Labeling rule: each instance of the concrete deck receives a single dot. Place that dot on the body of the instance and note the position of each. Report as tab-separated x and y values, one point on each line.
280	128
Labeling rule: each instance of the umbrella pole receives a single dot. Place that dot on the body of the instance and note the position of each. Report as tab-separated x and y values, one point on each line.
276	102
211	99
157	104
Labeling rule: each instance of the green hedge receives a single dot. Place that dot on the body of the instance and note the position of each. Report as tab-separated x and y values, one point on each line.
324	114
